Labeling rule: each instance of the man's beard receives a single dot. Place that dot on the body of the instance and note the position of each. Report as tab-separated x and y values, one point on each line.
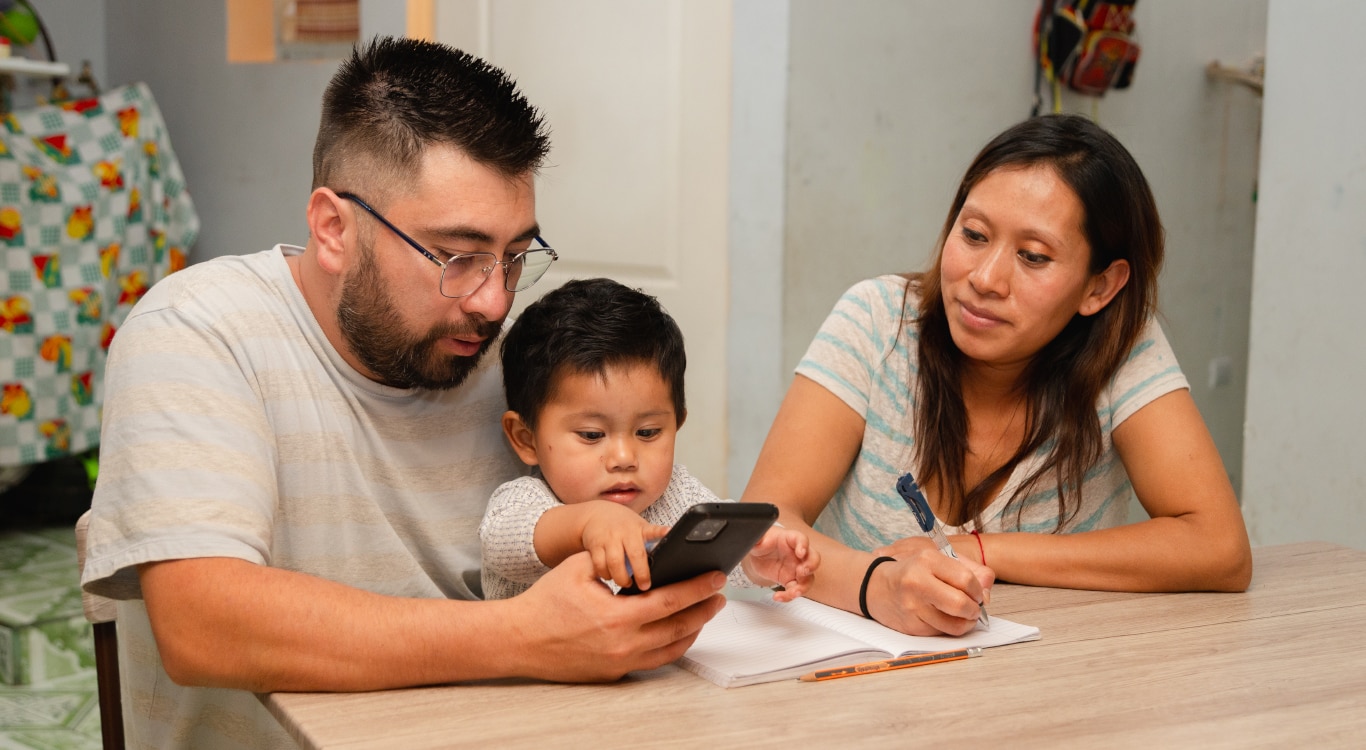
375	333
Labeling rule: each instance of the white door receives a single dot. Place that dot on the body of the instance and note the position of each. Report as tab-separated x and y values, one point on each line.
637	95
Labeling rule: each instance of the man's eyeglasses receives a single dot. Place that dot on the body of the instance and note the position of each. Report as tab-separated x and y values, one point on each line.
463	273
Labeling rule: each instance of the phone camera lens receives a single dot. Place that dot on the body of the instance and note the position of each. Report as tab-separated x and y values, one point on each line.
706	530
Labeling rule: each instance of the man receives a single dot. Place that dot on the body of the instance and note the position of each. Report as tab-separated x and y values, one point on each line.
298	444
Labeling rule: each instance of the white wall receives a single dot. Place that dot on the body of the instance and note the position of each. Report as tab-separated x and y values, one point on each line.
758	149
1305	477
890	99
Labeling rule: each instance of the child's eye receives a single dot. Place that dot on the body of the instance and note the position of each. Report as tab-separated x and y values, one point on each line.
591	436
649	433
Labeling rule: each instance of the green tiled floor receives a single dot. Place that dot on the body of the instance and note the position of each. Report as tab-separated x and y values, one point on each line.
47	645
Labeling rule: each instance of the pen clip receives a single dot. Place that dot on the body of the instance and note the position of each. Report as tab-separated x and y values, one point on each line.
910	492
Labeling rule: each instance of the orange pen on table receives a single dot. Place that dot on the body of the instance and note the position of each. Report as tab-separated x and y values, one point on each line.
887	665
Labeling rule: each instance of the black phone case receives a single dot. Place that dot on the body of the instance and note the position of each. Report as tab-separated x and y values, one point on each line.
677	558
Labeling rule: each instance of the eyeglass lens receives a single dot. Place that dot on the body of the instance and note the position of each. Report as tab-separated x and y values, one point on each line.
465	273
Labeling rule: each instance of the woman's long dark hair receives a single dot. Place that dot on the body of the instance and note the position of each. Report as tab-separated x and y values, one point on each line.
1063	381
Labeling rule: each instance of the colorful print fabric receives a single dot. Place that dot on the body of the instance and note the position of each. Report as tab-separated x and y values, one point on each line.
93	211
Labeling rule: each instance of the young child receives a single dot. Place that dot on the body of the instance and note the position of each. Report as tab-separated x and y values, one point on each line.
594	378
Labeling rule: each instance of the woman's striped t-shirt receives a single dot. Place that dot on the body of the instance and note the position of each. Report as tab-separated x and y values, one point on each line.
866	357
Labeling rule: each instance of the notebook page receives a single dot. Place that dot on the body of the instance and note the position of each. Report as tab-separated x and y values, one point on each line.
749	642
1002	631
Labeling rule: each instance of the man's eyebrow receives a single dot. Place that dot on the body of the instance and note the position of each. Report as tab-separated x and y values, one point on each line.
472	234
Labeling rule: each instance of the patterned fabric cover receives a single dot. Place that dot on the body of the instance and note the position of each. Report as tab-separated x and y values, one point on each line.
93	211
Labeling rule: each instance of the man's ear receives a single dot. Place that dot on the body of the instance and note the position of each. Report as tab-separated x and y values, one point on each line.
329	228
1104	286
520	437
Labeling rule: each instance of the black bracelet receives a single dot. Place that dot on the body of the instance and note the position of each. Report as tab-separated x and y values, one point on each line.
863	589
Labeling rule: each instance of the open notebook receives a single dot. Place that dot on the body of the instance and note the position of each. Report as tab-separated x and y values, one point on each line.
750	642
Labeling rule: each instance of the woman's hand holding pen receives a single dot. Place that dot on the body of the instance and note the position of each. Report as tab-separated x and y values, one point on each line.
925	592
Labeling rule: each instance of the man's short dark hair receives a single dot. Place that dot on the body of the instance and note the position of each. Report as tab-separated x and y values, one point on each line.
394	97
585	327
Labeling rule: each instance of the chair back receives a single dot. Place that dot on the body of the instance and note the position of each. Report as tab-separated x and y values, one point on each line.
100	611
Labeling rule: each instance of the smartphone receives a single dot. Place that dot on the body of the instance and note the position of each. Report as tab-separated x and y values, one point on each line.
709	536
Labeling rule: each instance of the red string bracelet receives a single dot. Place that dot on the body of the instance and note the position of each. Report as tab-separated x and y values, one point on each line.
980	548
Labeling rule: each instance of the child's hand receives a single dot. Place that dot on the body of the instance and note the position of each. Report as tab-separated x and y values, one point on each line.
786	558
614	536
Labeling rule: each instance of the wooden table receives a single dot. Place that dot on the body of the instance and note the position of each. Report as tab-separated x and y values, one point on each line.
1281	665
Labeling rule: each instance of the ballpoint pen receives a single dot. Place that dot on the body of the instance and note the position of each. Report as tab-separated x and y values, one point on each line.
910	492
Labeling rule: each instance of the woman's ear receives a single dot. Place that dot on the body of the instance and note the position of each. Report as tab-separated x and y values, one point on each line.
328	225
520	437
1104	286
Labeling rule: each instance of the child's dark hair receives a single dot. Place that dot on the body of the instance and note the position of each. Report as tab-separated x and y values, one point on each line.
584	327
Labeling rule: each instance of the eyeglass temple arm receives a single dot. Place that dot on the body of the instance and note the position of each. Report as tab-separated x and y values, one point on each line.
416	246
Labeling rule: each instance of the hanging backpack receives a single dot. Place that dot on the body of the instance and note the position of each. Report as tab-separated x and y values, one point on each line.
1087	45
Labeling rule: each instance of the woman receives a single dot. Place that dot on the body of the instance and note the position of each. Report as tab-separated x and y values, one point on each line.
1025	384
